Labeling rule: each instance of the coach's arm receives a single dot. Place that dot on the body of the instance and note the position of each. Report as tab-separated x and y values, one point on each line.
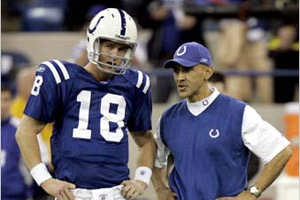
268	175
159	180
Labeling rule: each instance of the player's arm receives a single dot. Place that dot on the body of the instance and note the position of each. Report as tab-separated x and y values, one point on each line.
40	109
147	149
139	125
26	137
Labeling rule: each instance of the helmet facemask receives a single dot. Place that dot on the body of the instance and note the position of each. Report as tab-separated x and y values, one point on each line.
110	66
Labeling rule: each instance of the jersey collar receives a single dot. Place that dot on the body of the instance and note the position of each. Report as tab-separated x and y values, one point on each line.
198	107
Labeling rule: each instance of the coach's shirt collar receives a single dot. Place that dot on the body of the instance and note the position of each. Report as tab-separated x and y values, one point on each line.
198	107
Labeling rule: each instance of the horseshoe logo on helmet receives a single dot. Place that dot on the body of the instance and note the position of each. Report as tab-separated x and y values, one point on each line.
93	29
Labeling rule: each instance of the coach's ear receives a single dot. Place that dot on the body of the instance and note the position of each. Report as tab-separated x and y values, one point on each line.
208	72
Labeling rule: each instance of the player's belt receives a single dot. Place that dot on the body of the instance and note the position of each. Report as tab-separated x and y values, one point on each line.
113	193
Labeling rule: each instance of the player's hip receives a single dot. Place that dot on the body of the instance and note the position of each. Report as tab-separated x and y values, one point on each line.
113	193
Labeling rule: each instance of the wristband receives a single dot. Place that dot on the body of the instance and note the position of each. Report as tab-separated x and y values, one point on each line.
40	173
143	174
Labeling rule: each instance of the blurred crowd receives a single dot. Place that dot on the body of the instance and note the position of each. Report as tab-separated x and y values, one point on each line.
255	48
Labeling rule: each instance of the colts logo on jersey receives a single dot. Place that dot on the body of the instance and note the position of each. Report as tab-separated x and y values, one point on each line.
103	197
205	102
214	133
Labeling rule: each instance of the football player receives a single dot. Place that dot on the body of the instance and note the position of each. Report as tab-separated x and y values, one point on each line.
93	108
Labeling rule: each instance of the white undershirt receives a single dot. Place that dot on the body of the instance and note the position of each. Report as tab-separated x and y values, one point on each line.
258	136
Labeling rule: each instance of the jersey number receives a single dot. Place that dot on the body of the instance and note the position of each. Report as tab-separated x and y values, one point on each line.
82	131
38	81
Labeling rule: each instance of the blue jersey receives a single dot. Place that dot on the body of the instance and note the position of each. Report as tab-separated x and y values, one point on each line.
15	179
91	119
210	159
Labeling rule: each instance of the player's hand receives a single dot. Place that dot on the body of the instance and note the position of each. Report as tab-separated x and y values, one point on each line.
133	188
166	194
245	195
59	189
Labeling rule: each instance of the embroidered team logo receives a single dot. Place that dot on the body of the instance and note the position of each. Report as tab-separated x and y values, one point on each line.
214	133
181	52
103	197
205	102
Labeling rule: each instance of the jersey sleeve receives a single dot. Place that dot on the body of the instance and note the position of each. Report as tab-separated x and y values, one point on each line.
260	137
162	151
44	100
142	107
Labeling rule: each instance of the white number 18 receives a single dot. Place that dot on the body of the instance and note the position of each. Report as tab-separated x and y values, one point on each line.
82	131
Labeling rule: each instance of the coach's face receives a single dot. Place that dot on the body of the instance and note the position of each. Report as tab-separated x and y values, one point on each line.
191	82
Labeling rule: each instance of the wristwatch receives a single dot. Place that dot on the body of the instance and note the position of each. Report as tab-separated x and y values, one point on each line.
255	191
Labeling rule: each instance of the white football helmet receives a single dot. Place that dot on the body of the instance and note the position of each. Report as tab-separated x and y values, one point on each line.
114	25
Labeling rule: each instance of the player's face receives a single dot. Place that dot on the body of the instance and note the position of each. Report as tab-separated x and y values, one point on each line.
6	99
192	81
112	52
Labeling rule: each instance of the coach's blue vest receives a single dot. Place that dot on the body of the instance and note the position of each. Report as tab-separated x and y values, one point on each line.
209	155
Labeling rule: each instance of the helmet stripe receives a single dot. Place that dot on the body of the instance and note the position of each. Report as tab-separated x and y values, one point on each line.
123	22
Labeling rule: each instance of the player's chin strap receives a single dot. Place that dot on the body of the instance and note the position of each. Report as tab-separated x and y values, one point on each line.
143	174
40	173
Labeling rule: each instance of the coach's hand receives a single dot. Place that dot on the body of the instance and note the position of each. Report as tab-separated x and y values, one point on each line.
59	189
133	188
166	194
